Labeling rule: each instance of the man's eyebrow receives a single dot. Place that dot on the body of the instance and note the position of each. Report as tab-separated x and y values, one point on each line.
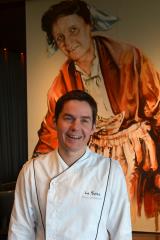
86	117
68	115
71	115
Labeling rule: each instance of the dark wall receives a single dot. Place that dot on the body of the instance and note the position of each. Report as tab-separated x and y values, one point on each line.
13	90
12	25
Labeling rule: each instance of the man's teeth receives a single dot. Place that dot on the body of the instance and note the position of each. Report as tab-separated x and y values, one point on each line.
73	49
74	137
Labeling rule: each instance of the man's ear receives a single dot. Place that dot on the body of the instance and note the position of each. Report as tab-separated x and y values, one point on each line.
93	128
54	124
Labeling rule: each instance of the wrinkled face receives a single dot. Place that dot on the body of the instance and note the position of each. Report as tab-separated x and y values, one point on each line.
73	36
75	126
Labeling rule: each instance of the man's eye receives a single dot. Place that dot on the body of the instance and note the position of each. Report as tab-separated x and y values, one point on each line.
85	120
68	118
59	38
74	30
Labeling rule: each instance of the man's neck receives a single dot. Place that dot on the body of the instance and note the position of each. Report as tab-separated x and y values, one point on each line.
71	157
85	63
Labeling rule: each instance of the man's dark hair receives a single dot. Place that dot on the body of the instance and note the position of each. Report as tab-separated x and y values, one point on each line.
76	95
61	9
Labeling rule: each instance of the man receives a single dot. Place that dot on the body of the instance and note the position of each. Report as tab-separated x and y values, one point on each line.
125	86
71	193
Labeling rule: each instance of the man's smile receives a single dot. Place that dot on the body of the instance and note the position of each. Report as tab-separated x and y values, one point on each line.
73	136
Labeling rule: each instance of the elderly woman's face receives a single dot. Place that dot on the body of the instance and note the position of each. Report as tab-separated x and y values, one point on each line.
73	36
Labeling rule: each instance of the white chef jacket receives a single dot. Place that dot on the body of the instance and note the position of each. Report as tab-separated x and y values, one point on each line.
57	202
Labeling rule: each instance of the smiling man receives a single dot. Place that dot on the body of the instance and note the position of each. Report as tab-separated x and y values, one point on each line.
71	193
74	126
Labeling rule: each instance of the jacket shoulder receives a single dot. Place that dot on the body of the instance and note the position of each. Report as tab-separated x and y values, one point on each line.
118	50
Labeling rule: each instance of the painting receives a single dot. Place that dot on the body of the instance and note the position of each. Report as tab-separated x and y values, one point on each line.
125	84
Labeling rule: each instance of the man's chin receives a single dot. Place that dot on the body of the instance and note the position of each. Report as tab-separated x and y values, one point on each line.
75	56
74	148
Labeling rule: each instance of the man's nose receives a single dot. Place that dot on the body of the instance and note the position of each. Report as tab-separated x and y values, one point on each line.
68	41
75	124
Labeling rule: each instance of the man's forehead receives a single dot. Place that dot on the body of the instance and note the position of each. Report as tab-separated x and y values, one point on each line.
77	107
74	102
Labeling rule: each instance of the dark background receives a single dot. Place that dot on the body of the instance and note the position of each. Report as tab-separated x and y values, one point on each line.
12	25
13	90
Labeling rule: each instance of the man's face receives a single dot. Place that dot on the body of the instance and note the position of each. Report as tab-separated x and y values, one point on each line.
73	36
74	126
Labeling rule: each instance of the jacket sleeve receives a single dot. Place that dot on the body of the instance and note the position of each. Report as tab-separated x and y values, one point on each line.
47	134
141	84
119	219
23	219
149	91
